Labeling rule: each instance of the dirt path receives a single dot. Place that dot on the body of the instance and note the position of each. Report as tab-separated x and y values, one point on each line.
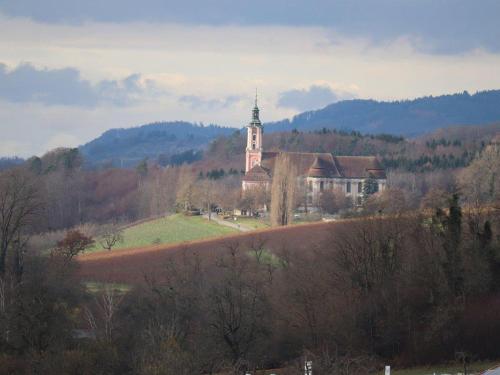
238	226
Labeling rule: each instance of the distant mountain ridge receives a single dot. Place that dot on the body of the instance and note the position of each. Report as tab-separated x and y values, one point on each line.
408	118
127	147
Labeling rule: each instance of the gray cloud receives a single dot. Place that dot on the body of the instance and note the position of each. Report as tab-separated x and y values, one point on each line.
198	102
445	26
65	87
314	97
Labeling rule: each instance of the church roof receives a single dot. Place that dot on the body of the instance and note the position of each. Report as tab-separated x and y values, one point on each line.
322	168
360	166
321	165
257	173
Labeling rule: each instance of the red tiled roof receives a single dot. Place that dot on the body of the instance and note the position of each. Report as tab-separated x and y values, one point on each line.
257	173
320	165
360	166
322	168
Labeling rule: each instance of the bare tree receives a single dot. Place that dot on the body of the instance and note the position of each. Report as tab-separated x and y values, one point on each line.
334	200
205	194
102	322
283	191
111	235
237	303
18	204
480	182
185	188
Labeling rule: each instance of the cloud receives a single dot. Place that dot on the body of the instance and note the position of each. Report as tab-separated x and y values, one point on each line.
316	96
446	26
198	102
27	84
61	140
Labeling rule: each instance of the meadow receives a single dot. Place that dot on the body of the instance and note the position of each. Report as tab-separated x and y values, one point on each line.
167	230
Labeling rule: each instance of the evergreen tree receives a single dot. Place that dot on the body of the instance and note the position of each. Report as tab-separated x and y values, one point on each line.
370	186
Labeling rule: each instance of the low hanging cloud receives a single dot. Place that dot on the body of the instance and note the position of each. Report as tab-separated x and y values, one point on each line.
198	102
314	97
27	84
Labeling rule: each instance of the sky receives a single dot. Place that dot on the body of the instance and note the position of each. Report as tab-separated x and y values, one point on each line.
71	69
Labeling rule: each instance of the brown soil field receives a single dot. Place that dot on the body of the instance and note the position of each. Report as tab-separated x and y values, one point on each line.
132	266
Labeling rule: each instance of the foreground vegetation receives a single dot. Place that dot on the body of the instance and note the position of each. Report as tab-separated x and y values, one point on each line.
474	368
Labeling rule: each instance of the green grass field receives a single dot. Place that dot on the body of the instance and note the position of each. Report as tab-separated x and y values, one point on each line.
170	229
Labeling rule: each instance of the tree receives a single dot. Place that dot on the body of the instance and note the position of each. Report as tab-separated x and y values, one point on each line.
254	198
449	228
237	304
72	244
370	186
331	201
111	235
283	191
205	192
185	188
19	202
480	182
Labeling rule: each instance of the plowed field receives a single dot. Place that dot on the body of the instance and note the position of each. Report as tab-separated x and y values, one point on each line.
132	265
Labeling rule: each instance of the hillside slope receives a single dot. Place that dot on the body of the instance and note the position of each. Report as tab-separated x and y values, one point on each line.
407	118
182	140
129	266
127	147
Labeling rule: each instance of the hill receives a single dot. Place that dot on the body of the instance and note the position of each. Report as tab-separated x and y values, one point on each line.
451	147
408	117
127	147
178	142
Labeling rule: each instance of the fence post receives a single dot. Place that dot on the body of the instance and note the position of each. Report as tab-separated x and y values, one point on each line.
308	367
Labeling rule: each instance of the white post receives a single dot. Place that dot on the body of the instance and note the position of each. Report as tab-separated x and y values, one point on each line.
387	370
308	368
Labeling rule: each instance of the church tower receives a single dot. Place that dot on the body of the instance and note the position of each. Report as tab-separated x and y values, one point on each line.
254	139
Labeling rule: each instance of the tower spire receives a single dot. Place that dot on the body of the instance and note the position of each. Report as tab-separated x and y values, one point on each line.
255	113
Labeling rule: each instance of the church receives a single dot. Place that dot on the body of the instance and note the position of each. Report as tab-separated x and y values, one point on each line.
320	171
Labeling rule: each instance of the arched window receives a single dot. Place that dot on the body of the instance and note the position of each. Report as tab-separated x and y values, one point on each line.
348	187
360	187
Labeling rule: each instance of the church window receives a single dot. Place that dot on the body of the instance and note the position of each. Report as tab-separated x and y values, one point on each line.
310	186
321	186
360	187
254	137
348	187
253	145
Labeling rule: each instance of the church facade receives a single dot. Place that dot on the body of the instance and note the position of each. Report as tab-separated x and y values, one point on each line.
319	171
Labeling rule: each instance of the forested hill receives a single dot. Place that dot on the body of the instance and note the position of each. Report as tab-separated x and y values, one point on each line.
127	147
183	140
407	118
